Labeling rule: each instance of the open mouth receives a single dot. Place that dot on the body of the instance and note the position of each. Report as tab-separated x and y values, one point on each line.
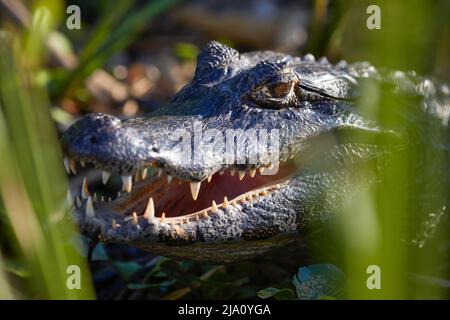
152	194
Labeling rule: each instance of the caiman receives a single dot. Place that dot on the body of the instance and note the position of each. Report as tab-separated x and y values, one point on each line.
283	118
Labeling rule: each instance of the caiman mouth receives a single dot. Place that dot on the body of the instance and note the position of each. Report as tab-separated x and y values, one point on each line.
153	194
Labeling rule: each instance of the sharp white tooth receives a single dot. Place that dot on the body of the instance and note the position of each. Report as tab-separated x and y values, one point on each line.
225	202
73	166
114	224
83	164
270	166
264	192
241	174
232	172
169	179
163	217
150	210
221	172
95	198
204	214
252	172
214	207
84	189
134	218
109	199
78	202
69	198
144	173
234	203
243	199
160	172
127	182
195	188
67	165
102	199
261	170
209	179
118	194
90	213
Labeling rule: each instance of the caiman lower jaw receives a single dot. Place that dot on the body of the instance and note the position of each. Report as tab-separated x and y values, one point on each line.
172	201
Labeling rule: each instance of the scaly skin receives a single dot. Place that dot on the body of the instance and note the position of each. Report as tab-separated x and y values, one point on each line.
304	99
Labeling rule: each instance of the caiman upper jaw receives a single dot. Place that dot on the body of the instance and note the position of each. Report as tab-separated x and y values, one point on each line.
115	147
102	140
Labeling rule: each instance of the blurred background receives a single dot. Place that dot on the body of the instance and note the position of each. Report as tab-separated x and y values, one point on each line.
127	59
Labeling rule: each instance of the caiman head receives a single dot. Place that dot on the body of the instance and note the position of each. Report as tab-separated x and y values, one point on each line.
239	162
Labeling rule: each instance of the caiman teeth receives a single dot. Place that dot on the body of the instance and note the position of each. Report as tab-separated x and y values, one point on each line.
144	173
114	224
150	213
195	188
214	207
261	170
150	210
67	164
160	172
105	176
225	202
134	218
73	166
84	189
90	212
127	183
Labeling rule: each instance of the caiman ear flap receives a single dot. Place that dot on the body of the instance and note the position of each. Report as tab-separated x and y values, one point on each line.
213	59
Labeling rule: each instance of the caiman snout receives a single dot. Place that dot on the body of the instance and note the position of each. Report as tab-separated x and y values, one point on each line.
103	140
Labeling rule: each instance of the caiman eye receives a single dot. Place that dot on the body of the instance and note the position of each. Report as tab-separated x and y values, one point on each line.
277	90
274	95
